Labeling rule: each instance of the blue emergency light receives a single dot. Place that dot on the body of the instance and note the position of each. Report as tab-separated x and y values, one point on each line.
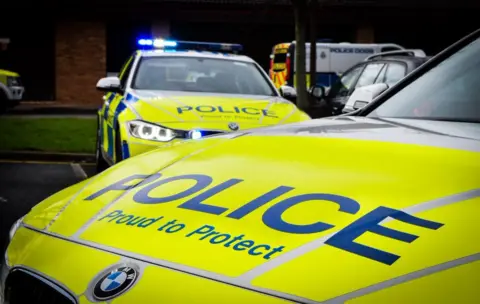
189	45
196	134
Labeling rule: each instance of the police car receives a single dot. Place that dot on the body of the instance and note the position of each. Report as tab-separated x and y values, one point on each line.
176	90
11	89
380	207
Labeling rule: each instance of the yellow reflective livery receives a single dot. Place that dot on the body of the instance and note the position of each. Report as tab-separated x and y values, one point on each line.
285	214
163	97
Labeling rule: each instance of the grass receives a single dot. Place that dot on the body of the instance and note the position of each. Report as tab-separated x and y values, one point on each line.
48	134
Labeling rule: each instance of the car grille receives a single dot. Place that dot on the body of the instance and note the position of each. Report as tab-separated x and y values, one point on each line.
23	286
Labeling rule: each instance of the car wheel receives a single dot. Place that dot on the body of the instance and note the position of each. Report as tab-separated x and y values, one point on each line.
118	146
101	163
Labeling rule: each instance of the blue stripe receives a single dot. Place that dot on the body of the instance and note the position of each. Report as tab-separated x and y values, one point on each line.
125	151
131	98
110	141
107	105
120	108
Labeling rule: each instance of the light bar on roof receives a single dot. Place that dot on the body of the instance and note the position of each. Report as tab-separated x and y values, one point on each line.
190	45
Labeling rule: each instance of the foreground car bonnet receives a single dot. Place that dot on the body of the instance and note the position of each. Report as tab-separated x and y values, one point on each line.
339	211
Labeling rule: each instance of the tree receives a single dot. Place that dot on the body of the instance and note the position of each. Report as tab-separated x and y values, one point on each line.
300	11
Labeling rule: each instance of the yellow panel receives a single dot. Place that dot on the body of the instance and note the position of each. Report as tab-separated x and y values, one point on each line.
397	185
72	265
159	285
340	272
456	285
81	210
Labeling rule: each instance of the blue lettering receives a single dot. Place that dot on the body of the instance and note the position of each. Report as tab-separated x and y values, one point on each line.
219	238
258	202
220	109
175	228
202	230
124	219
274	250
237	238
209	109
269	113
122	185
255	111
243	245
254	250
180	110
136	220
112	215
237	110
142	196
149	222
273	216
171	223
196	202
370	223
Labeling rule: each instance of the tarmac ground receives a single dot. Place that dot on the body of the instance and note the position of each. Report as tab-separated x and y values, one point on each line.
24	184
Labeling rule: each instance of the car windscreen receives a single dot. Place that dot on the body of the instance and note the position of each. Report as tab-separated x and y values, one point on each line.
448	92
194	74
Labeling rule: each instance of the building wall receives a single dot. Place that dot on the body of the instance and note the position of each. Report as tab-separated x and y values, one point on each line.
80	61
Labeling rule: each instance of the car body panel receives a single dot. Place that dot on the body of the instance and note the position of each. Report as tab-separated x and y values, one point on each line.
427	183
184	110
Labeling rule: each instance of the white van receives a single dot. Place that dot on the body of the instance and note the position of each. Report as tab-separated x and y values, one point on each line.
332	60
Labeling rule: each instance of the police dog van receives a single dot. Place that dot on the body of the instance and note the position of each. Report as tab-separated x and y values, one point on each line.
332	60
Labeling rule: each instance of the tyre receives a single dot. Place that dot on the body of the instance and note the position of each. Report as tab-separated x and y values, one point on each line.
101	163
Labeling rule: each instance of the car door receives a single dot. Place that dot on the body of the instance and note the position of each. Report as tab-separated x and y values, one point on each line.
341	89
111	103
395	71
369	74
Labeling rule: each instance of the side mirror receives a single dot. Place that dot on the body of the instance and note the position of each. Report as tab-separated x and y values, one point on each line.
317	92
363	96
288	92
109	84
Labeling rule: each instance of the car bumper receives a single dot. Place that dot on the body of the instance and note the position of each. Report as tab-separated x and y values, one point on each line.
16	93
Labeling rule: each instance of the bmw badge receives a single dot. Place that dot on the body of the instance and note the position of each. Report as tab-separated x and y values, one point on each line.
233	126
114	283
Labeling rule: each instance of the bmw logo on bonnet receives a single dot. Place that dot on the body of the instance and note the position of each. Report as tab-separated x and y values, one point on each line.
114	283
233	126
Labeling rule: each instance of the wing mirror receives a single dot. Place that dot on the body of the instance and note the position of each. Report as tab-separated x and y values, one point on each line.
289	93
317	92
363	96
109	84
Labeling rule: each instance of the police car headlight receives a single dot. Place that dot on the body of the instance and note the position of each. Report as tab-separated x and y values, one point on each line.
148	131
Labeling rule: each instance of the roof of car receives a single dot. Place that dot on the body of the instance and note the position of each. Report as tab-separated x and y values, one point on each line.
197	54
411	59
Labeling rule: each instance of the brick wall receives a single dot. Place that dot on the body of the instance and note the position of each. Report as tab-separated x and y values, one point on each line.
80	61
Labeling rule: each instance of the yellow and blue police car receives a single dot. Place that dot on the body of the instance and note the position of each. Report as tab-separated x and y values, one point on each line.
176	90
378	206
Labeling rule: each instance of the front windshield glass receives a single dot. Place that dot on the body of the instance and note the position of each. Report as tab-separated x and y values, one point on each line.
193	74
448	92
